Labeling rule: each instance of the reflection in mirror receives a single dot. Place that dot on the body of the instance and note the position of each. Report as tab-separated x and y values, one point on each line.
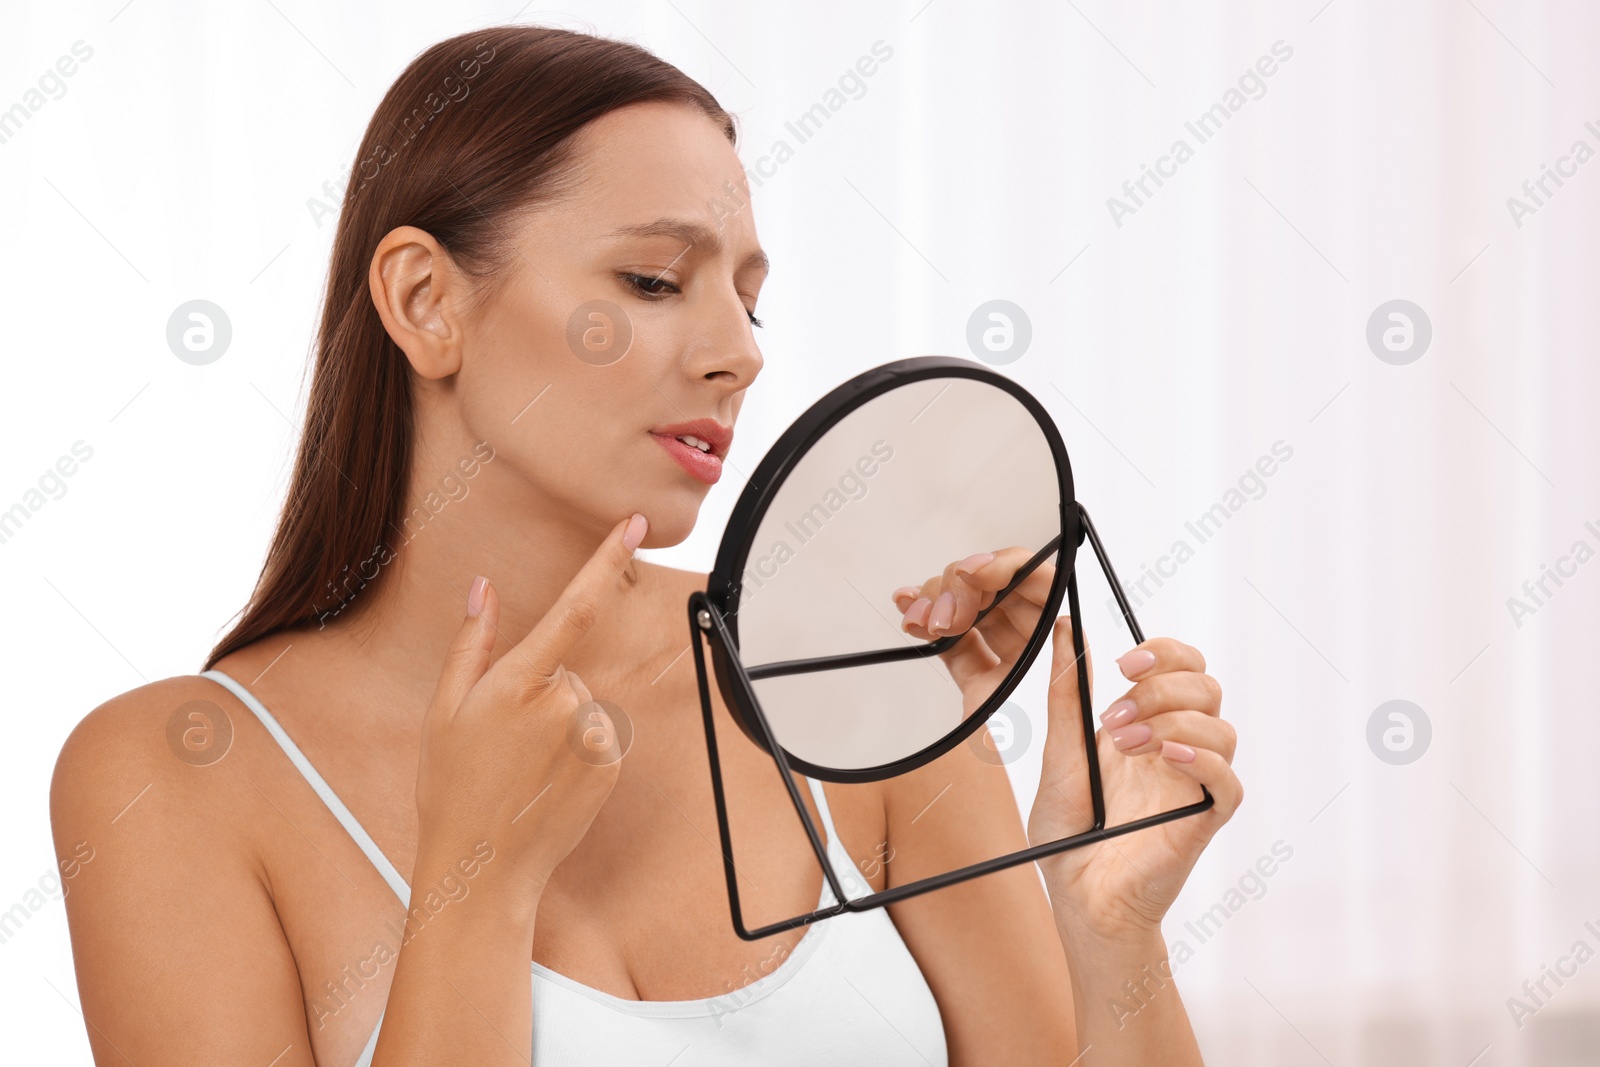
905	485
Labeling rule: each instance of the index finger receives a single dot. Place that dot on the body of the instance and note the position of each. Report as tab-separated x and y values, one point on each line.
997	573
596	585
1158	655
989	577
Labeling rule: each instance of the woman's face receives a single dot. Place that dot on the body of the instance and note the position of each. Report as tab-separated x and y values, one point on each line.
628	309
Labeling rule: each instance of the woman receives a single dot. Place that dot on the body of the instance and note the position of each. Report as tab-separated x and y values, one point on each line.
530	206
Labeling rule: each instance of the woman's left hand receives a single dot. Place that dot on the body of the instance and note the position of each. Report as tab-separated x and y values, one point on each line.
1158	742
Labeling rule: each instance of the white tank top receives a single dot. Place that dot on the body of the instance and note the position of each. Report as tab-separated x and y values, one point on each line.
848	992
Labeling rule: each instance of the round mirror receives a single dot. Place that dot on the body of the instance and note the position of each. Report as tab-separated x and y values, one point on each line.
887	481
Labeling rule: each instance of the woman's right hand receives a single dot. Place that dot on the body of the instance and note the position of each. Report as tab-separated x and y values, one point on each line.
495	764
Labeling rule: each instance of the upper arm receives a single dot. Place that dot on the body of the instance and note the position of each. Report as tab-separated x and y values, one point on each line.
178	951
987	946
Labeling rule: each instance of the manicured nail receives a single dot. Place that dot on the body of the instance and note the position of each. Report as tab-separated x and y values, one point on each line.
973	562
1136	662
635	531
1119	714
475	596
944	612
917	613
912	591
1132	736
1172	750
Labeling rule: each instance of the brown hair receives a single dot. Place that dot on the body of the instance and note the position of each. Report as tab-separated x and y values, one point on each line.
477	129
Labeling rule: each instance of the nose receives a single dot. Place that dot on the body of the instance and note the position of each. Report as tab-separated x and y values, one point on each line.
724	347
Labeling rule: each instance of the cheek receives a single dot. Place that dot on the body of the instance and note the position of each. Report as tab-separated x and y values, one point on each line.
564	416
558	423
519	383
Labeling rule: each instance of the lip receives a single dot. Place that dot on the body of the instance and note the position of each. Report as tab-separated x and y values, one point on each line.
705	466
718	436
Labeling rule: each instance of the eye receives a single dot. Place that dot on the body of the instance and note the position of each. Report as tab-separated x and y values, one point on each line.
652	288
647	286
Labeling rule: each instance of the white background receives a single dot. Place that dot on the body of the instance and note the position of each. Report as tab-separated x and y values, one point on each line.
1227	313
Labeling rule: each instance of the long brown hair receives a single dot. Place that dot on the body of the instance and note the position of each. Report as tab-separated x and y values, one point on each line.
478	128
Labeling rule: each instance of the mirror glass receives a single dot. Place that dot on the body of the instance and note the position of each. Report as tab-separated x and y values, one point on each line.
912	481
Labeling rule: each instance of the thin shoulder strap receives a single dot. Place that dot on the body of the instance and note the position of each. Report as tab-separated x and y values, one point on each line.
853	885
822	808
365	1059
359	834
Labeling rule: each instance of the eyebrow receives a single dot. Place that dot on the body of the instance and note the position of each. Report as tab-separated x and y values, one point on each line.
691	233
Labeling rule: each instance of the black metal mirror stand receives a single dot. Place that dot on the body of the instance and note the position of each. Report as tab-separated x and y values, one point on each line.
707	622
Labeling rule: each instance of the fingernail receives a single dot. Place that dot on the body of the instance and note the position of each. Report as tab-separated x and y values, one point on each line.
1176	752
973	562
635	531
1136	662
475	595
944	610
1119	714
911	591
1133	736
917	613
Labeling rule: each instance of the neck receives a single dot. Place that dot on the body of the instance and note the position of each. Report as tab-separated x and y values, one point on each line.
401	624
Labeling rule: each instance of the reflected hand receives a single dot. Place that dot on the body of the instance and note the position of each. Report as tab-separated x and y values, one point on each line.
948	603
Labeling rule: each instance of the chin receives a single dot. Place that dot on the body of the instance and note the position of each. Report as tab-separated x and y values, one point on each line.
672	519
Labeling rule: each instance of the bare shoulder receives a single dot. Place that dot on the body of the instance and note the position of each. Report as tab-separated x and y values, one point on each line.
152	776
152	813
144	741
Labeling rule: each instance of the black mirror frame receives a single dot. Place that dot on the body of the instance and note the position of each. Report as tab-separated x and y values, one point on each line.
713	617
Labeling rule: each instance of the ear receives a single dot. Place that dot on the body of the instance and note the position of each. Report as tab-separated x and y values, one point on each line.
417	289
